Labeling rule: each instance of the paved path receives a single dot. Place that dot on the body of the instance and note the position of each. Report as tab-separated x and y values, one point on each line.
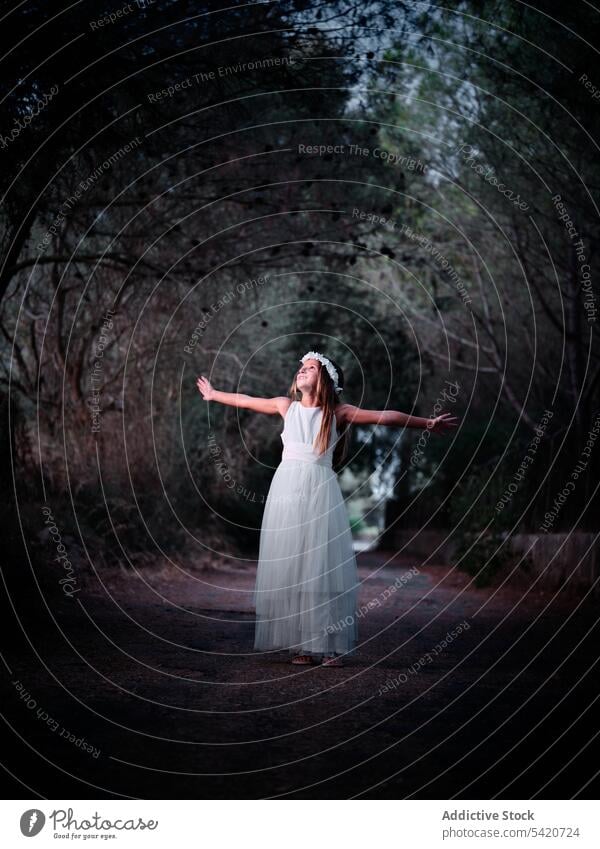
163	685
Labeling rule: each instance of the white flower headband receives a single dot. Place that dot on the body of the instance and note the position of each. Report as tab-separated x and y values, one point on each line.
331	370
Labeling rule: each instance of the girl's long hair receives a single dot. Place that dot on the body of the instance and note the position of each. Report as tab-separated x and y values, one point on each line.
328	400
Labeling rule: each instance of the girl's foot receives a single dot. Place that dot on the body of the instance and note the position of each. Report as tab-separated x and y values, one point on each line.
332	660
302	659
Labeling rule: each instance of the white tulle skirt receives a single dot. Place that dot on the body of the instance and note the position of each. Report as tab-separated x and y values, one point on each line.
306	582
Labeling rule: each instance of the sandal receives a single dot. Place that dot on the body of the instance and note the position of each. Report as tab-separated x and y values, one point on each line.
332	660
302	659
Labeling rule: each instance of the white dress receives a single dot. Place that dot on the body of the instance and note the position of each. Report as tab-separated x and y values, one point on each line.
307	580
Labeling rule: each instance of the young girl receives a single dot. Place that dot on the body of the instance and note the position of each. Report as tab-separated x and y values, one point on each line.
306	581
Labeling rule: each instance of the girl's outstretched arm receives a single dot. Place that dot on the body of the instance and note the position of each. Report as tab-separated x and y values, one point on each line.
270	406
394	418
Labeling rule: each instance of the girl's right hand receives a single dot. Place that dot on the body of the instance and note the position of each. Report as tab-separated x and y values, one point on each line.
205	388
440	423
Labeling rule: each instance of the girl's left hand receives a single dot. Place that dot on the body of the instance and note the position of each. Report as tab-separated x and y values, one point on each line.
441	423
205	387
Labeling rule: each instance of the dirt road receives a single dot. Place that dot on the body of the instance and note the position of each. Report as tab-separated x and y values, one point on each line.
154	691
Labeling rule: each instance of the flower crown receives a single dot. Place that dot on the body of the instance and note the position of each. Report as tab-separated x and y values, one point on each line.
331	370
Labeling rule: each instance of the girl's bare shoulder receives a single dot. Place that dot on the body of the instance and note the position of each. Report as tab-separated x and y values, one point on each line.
283	404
